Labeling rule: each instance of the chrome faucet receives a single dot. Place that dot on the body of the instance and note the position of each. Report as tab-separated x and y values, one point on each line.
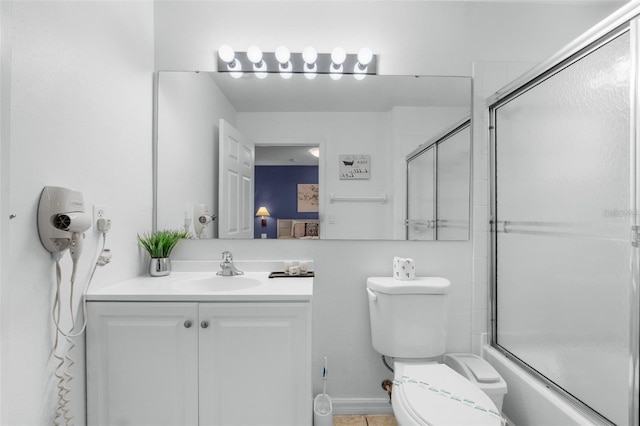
228	268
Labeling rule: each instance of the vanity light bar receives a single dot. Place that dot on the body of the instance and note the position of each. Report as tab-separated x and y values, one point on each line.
283	62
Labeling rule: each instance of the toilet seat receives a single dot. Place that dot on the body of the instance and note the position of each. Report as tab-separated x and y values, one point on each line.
435	395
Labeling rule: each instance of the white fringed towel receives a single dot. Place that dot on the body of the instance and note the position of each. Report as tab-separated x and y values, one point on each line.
404	268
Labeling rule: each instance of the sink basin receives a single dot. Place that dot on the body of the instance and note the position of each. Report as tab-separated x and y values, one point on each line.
217	283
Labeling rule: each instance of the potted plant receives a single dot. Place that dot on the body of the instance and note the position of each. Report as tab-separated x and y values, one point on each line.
159	245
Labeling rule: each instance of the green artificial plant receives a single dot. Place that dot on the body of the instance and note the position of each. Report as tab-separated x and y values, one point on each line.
160	244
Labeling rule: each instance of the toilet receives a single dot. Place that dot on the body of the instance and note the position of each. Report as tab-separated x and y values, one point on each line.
409	324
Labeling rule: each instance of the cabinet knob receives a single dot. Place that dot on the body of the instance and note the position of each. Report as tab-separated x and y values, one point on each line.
188	323
204	324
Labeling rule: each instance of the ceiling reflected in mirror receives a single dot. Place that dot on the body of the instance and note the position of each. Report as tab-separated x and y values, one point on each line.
373	94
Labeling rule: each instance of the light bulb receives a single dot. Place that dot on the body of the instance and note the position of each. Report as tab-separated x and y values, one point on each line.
226	53
338	55
365	55
282	54
309	55
254	54
286	74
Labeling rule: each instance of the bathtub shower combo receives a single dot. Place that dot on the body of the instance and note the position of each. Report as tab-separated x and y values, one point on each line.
564	201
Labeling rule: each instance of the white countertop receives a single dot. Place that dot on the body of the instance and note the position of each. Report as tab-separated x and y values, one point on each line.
174	287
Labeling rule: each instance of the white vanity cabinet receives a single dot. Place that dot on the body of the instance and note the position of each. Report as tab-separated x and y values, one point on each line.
199	363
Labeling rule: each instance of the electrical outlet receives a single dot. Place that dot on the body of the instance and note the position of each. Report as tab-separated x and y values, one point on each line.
100	211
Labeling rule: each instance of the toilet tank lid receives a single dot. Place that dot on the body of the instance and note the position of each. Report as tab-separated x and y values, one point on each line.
421	285
481	371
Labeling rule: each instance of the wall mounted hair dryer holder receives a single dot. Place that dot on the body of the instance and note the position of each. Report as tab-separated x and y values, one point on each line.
62	220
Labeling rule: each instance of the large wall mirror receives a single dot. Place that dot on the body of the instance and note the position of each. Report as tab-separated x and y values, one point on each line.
325	158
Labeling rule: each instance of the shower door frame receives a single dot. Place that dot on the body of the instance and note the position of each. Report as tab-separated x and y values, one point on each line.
433	143
625	19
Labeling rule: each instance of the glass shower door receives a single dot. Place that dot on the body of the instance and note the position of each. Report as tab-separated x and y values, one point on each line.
421	196
454	170
563	211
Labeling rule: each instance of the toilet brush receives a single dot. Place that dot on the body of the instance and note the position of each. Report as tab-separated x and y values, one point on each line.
322	403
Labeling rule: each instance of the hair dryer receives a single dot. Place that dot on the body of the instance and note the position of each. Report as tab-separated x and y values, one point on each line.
62	220
201	218
61	223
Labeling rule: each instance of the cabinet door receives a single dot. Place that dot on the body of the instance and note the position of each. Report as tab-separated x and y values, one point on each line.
255	364
142	364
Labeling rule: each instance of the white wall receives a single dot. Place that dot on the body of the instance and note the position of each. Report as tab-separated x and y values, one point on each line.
5	15
189	107
81	104
410	37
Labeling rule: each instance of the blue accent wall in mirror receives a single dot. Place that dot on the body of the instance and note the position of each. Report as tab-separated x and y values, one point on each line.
276	188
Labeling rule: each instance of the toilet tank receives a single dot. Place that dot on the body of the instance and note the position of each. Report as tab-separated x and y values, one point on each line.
408	318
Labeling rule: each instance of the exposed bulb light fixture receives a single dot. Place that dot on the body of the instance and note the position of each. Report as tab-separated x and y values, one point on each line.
226	53
286	63
310	56
358	75
254	54
282	56
365	55
228	56
338	56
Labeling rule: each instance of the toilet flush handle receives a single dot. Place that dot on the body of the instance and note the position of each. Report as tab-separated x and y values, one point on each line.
372	295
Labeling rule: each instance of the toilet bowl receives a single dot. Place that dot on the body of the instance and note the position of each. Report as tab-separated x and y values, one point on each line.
408	323
434	394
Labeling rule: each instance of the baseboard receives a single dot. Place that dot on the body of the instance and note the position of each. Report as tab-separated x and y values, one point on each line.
345	406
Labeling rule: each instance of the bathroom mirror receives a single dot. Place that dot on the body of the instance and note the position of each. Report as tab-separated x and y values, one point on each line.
364	130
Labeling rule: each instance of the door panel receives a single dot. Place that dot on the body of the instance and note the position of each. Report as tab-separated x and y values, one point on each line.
236	196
